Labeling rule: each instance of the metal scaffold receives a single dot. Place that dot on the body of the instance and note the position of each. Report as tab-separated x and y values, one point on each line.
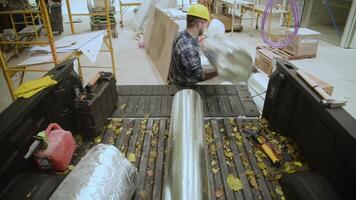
40	16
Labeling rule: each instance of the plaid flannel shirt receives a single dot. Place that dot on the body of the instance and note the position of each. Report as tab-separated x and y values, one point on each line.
185	68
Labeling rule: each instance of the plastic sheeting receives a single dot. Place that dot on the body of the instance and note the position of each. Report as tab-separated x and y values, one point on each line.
104	173
233	63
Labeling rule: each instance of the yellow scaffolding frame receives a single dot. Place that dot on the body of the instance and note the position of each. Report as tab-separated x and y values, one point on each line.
107	39
40	13
125	5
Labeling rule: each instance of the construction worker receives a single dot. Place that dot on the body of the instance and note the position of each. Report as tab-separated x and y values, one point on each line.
185	67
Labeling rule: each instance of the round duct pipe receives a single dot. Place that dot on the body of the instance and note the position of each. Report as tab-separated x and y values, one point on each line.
185	176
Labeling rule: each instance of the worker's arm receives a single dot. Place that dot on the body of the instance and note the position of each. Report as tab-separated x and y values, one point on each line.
190	60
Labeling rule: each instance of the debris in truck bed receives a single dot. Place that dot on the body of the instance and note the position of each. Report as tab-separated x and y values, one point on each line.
238	169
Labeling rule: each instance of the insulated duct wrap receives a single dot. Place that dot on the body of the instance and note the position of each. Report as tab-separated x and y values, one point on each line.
103	173
232	62
186	164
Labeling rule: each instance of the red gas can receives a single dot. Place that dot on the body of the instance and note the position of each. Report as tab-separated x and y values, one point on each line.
59	151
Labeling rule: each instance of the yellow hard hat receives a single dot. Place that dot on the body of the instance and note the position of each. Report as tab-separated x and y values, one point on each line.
199	10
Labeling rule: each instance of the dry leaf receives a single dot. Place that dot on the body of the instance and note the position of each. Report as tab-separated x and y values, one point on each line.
153	154
215	170
213	162
212	148
229	154
261	165
234	183
232	122
131	157
209	139
118	131
143	194
71	167
234	129
28	195
123	106
222	130
150	173
97	140
279	191
298	164
219	193
253	182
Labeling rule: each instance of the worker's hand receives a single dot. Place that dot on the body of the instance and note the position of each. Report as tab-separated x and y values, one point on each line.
201	39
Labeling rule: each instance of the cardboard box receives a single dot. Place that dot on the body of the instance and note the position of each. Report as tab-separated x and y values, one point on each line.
305	43
263	60
278	35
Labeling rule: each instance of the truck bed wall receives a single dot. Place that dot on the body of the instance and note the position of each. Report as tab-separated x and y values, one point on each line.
326	137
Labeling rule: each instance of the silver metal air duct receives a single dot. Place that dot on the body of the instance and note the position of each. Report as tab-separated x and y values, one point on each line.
185	176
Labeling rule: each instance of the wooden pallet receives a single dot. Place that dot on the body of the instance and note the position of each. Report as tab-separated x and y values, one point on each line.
285	54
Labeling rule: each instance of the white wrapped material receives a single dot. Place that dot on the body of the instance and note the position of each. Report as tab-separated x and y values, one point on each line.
257	85
103	173
233	63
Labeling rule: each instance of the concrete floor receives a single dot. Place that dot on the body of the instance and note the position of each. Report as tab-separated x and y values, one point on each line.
333	64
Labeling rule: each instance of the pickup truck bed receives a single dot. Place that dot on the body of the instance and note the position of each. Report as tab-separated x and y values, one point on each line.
140	126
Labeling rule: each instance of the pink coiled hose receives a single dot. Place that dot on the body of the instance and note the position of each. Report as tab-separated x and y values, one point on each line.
290	38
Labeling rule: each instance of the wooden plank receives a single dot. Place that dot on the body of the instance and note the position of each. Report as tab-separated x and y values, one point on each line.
131	103
222	162
215	103
229	163
225	109
147	90
249	106
136	90
214	157
158	179
140	106
146	105
106	136
153	108
253	163
126	90
210	179
152	156
225	101
205	105
122	105
123	139
220	90
238	162
164	106
143	166
157	107
236	105
230	90
135	136
210	105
